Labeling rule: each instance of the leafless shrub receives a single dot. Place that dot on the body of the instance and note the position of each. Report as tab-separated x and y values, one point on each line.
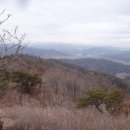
59	118
11	43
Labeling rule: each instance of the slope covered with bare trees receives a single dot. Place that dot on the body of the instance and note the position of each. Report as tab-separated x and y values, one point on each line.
52	105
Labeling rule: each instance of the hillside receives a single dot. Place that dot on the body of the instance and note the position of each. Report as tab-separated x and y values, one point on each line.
60	79
122	57
55	100
101	65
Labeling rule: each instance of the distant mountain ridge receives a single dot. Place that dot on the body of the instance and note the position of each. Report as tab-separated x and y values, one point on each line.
107	60
80	51
44	52
123	57
101	65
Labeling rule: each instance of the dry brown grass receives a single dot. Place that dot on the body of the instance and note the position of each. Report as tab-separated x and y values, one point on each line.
59	118
62	86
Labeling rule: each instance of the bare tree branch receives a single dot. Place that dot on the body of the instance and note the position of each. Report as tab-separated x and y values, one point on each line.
8	15
11	43
2	12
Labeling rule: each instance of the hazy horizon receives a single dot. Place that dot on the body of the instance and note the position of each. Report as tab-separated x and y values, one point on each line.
85	22
40	44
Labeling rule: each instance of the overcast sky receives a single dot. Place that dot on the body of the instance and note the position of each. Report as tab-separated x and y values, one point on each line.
100	22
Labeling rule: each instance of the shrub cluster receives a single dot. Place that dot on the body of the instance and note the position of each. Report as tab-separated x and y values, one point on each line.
25	80
3	82
100	95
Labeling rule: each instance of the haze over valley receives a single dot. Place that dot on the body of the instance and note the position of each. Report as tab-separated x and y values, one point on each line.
104	59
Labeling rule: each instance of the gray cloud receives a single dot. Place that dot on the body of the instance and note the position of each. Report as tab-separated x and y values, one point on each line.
84	21
23	3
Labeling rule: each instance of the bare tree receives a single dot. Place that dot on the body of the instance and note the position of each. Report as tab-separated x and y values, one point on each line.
11	43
